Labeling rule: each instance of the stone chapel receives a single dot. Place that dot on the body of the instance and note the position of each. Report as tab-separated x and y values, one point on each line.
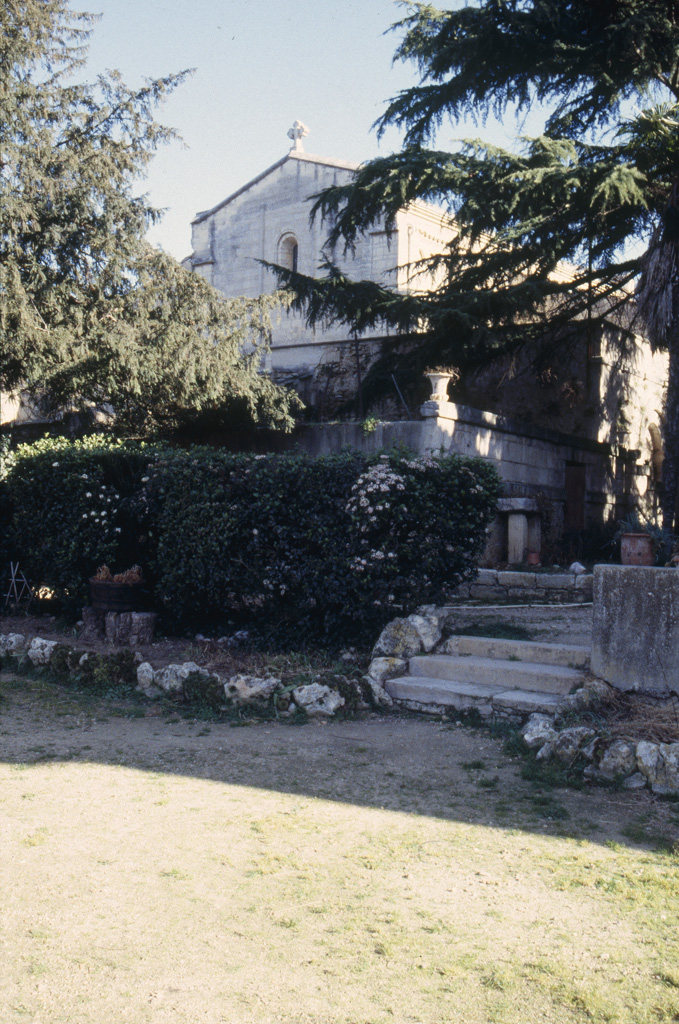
268	219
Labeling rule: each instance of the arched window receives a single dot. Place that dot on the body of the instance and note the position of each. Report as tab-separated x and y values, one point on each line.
287	252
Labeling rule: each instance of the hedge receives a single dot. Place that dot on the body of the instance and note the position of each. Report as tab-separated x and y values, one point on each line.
294	546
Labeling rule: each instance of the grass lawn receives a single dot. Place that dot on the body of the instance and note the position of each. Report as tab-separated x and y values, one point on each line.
393	869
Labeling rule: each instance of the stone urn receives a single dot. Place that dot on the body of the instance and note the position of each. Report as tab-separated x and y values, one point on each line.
439	385
637	549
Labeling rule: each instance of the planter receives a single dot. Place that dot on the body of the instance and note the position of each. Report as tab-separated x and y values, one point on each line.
636	549
117	597
439	386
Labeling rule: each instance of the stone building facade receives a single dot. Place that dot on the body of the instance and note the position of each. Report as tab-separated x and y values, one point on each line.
268	219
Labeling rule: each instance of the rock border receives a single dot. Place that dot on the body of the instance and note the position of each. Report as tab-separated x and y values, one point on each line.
182	682
635	764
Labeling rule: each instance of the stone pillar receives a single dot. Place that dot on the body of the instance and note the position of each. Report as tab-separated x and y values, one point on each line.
517	537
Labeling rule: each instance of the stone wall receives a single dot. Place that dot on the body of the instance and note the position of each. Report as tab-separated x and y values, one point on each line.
526	587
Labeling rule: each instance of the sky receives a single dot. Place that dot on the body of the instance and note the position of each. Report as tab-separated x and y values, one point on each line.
259	66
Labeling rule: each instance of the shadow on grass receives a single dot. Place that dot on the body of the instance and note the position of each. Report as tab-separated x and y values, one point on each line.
398	762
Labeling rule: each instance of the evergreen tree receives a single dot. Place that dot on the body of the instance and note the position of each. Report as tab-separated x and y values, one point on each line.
90	314
601	176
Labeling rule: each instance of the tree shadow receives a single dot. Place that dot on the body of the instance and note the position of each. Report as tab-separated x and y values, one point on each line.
401	763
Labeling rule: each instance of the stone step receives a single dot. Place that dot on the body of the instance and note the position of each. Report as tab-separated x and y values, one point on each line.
565	655
421	690
497	673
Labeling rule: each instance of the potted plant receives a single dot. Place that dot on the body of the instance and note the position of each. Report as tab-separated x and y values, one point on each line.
638	540
122	592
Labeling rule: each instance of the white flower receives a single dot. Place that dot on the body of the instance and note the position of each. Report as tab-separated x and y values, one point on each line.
84	515
84	476
88	494
117	529
103	513
144	480
93	513
55	464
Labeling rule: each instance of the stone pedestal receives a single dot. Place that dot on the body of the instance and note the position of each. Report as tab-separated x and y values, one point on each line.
635	627
523	527
121	628
517	537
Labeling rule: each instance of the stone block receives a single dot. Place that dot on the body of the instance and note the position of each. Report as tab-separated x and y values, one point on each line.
93	625
524	580
635	627
584	586
517	505
558	581
130	628
486	577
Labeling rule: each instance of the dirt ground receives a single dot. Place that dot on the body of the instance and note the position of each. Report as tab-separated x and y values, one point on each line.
169	870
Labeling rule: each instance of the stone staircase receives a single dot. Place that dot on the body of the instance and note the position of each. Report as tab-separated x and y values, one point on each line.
497	677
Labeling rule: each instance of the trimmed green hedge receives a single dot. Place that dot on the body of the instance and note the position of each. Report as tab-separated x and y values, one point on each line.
317	548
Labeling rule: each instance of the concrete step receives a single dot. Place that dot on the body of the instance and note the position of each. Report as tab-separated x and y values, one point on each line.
497	673
565	655
420	690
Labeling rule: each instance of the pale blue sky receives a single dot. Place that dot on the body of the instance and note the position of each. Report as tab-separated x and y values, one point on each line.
260	64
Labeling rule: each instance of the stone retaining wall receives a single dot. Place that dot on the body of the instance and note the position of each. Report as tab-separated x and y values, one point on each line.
526	587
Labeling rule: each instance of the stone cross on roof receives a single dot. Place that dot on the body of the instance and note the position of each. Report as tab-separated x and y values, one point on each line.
297	133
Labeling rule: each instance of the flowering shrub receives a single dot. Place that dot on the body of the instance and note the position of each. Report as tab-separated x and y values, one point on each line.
295	546
419	525
62	502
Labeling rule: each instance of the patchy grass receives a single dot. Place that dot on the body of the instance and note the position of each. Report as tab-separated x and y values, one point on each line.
352	873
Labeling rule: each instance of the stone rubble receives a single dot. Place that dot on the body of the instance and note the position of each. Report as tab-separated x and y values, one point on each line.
317	699
242	689
399	639
13	644
637	764
40	651
538	731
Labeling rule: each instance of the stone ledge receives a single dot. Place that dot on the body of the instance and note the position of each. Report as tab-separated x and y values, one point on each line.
513	585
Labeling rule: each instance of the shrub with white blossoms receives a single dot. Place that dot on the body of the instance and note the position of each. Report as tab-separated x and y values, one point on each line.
65	514
419	526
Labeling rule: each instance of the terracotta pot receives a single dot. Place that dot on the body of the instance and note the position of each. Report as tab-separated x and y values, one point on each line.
636	549
116	597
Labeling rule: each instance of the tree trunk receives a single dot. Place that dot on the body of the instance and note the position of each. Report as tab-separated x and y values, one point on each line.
671	432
